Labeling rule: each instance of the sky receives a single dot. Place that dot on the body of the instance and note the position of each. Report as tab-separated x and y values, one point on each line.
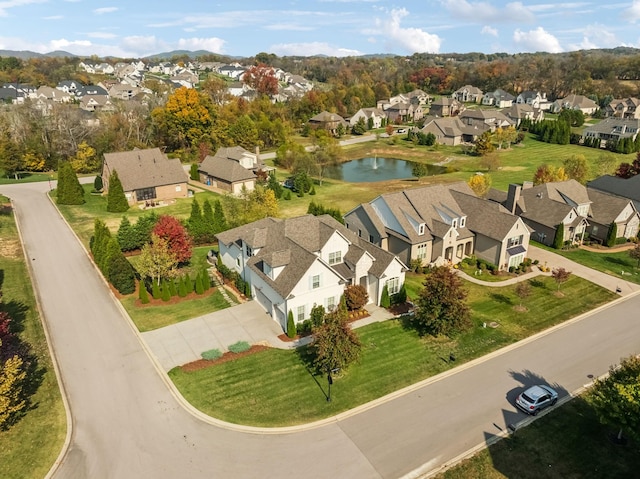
137	28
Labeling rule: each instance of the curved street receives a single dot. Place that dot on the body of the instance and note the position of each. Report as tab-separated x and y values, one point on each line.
128	422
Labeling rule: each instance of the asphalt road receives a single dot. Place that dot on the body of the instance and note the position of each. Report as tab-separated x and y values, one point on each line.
127	422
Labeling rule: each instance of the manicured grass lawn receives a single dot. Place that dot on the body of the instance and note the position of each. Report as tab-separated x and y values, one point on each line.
24	177
259	389
30	447
154	316
566	443
611	262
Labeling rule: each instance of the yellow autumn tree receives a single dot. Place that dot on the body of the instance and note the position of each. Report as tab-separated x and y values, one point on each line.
86	159
480	184
12	376
33	162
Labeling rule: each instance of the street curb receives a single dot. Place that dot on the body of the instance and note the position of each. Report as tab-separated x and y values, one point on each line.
54	360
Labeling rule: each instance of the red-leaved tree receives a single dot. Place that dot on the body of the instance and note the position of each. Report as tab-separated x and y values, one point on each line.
262	78
171	230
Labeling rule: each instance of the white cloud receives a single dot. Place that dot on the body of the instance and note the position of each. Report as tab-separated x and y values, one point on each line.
632	14
482	12
63	44
143	45
7	4
310	49
410	39
103	10
538	40
487	30
101	35
596	36
213	44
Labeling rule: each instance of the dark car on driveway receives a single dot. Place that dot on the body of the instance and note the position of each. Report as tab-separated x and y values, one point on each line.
536	398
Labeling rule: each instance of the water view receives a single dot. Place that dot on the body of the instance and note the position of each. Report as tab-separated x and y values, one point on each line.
370	169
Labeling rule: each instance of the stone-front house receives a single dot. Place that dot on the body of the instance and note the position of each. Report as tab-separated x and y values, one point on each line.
468	94
146	175
521	111
575	102
404	112
231	169
486	119
548	206
608	209
445	106
327	121
294	264
441	224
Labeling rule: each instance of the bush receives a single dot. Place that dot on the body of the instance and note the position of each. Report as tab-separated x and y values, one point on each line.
165	293
182	287
385	301
143	294
155	290
212	354
199	287
355	296
239	347
400	297
240	283
121	275
317	315
172	288
291	326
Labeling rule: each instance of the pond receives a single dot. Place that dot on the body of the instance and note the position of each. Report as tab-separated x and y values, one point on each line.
370	169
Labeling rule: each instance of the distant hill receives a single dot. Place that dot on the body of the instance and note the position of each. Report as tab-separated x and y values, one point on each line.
26	54
178	53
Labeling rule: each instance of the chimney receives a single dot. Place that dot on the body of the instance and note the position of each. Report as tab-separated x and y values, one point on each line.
257	154
513	195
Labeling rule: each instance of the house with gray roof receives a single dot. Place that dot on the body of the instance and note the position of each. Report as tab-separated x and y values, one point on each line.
626	187
453	131
498	98
468	94
441	224
575	102
623	108
487	119
445	106
521	111
372	117
231	169
327	121
547	207
608	209
295	264
146	175
613	129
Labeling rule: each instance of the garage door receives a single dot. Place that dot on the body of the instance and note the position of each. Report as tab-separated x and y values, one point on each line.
264	301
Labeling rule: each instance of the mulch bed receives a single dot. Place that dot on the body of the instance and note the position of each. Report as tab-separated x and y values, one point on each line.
226	357
400	309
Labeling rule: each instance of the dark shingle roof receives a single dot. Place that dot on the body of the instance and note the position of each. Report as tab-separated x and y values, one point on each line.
606	207
144	169
226	169
625	187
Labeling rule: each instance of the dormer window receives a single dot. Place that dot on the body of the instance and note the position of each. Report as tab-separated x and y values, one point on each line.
335	257
454	223
462	222
421	229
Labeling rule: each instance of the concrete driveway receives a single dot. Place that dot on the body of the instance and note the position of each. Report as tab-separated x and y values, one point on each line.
184	342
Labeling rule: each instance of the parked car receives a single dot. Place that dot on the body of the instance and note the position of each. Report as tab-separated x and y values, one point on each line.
401	130
536	398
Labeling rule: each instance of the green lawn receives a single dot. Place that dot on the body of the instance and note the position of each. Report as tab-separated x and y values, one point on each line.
25	177
30	447
260	389
613	263
566	443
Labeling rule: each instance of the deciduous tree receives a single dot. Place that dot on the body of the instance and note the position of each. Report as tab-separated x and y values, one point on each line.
560	276
480	184
156	261
262	78
576	168
441	304
12	381
355	296
547	173
171	230
335	344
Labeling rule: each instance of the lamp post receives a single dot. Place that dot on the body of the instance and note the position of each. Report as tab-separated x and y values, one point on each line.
330	381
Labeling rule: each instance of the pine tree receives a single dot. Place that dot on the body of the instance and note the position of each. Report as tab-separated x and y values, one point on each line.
206	281
116	200
558	239
70	191
195	223
165	294
612	235
127	235
220	222
172	288
193	172
143	294
199	287
188	283
97	183
385	302
155	290
121	274
209	221
182	287
291	326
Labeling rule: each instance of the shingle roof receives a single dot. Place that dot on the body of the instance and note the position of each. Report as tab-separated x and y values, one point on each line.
225	169
625	187
144	169
606	207
294	244
485	217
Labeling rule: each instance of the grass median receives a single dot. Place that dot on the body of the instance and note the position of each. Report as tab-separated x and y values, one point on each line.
30	447
280	388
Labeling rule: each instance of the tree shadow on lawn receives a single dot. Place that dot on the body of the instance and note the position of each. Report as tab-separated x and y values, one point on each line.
501	298
536	283
17	310
618	261
305	354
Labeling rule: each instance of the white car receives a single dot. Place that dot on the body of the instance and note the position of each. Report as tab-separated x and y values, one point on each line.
536	398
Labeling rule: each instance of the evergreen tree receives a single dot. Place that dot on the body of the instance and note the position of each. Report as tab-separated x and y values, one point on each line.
206	281
209	221
121	273
193	172
155	290
558	239
116	200
188	283
99	243
274	185
182	288
165	294
219	221
199	287
611	235
127	235
143	228
247	289
385	302
287	195
172	288
143	294
195	223
291	326
70	191
97	183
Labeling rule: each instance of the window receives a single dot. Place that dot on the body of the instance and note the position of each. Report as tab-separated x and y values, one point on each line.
238	261
331	303
421	229
515	241
360	233
335	257
146	194
462	222
393	285
422	251
179	188
300	313
370	238
315	281
249	251
454	223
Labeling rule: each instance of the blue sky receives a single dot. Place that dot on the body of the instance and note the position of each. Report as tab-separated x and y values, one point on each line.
138	28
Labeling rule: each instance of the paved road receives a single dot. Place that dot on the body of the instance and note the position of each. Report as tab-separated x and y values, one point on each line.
127	422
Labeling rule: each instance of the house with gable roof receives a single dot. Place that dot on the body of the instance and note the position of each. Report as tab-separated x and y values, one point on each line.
521	111
533	98
441	224
608	209
499	98
468	94
327	121
146	175
547	207
623	108
628	188
445	106
372	117
575	102
231	169
296	263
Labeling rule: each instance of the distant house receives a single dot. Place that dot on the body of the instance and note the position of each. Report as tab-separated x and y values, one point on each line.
146	175
53	94
230	169
445	106
575	102
521	111
534	98
404	112
448	131
498	98
294	264
468	94
613	129
486	119
547	207
441	224
627	108
96	103
372	117
608	209
327	121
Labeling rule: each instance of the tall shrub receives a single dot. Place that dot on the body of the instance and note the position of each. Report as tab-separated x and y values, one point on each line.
155	290
143	294
70	191
611	235
122	275
291	326
385	301
558	239
116	200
